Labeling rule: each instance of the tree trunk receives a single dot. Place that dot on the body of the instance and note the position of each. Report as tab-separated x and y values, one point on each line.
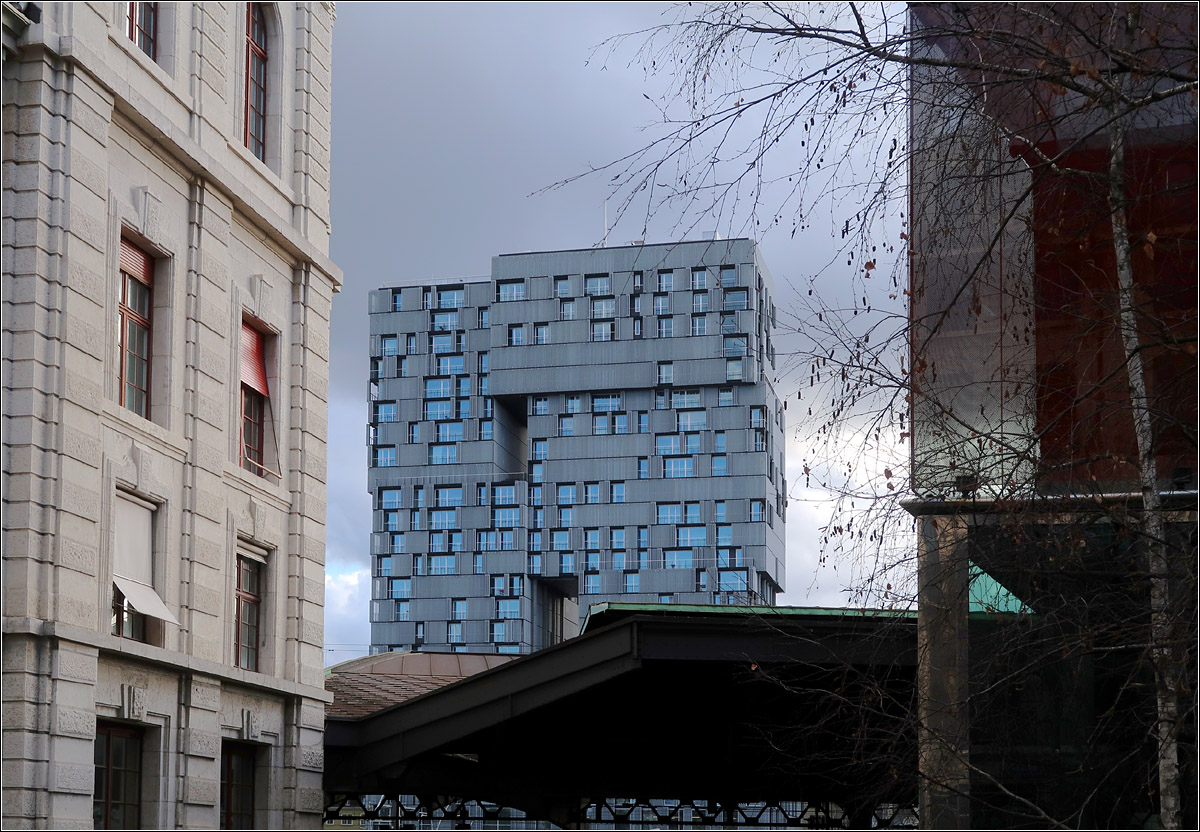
1152	517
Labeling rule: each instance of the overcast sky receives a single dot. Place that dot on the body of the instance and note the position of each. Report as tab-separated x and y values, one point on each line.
446	121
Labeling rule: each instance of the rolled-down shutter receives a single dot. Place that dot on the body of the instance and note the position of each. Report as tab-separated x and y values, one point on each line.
254	362
136	262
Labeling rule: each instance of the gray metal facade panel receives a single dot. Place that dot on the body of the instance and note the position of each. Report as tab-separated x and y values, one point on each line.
626	259
574	365
379	300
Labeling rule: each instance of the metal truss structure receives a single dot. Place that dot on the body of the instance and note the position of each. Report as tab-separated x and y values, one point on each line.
428	812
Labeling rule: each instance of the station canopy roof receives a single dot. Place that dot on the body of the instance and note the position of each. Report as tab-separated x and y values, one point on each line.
728	704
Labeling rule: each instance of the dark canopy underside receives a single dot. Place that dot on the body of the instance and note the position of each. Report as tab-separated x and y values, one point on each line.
731	705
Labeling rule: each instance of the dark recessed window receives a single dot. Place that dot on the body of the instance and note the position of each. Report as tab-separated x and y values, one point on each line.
237	786
117	793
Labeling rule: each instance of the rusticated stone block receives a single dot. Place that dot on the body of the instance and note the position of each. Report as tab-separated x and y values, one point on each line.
208	599
211	409
75	666
204	696
88	227
215	270
75	778
81	501
92	121
84	391
310	800
72	722
312	715
83	446
200	791
84	279
81	557
210	505
85	337
202	743
208	552
207	647
21	805
213	315
90	175
313	676
312	632
312	758
214	363
314	591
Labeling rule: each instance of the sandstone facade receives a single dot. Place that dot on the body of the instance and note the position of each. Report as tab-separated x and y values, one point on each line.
114	142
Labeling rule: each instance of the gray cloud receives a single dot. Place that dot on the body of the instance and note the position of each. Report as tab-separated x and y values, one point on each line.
445	119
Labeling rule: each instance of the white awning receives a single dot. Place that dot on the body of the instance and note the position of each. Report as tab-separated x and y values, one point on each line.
144	599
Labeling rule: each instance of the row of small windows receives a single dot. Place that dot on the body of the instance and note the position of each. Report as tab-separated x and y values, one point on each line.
606	331
731	581
684	555
499	631
594	285
448	496
447	363
446	298
677	466
501	586
602	422
689	424
735	350
514	649
142	27
510	518
682	465
500	538
663	400
732	577
566	494
606	308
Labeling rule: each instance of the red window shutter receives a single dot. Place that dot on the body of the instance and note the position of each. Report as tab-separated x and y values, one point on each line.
254	362
136	262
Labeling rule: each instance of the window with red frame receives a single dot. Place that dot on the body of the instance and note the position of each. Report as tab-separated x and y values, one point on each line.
117	792
253	416
137	282
143	27
256	80
257	428
248	604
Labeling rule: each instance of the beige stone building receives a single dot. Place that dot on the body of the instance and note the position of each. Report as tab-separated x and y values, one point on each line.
166	302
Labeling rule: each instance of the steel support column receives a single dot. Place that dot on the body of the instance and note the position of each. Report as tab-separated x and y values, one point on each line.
942	673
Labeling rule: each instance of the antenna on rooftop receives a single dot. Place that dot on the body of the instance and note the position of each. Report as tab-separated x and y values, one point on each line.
605	243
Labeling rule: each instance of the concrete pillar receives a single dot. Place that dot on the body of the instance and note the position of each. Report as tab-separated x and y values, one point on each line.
943	743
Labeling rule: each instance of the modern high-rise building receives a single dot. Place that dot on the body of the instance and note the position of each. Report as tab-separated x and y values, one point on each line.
582	426
166	299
